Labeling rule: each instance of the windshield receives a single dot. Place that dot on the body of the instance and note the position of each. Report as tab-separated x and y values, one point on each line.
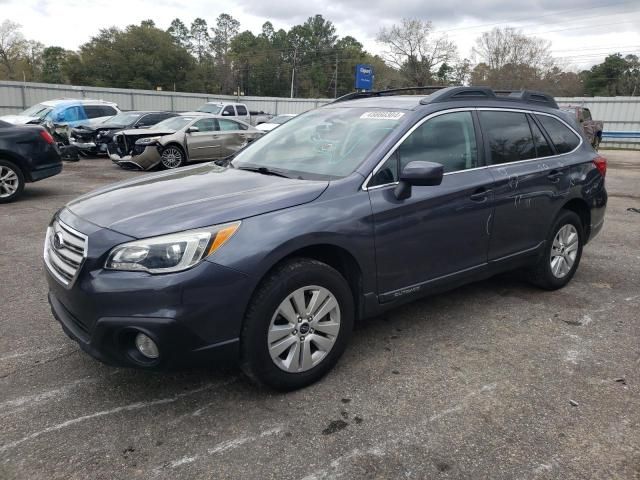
280	119
329	142
173	123
37	111
123	119
210	108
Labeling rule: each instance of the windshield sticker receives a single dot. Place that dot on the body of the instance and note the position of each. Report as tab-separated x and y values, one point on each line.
382	115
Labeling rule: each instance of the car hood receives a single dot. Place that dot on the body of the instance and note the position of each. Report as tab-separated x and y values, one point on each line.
191	197
17	119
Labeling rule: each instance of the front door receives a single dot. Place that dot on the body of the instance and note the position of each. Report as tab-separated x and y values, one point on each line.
203	144
439	231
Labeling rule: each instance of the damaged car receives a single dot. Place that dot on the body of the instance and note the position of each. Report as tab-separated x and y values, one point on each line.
176	141
92	140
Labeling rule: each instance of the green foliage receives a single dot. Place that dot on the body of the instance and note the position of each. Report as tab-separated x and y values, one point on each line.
220	58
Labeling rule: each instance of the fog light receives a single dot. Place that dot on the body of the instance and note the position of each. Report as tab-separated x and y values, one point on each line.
146	346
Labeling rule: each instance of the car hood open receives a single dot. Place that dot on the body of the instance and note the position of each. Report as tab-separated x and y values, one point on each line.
191	197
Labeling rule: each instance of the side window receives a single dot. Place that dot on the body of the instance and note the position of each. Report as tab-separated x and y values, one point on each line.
152	119
73	114
205	125
242	110
509	136
229	125
561	136
447	139
94	111
228	110
586	115
543	149
108	111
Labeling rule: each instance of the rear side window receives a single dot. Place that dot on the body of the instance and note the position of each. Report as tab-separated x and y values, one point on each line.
543	149
230	125
241	109
561	135
508	135
586	115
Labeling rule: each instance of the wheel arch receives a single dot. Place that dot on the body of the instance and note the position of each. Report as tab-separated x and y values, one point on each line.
17	161
581	208
337	257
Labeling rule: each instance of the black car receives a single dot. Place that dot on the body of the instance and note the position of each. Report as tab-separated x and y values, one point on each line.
28	153
340	214
93	140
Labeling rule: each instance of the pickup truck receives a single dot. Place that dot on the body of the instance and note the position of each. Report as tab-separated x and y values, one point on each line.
237	110
592	128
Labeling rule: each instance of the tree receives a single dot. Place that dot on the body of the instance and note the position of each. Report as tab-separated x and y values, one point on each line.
13	47
415	51
507	46
200	39
180	33
224	32
616	75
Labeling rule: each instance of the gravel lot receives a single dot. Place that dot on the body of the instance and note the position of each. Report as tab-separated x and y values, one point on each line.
492	380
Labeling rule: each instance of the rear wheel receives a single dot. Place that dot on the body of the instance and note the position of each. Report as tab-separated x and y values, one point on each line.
596	142
563	250
11	181
172	157
297	325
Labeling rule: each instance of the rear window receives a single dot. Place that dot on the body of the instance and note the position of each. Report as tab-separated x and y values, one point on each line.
509	136
562	136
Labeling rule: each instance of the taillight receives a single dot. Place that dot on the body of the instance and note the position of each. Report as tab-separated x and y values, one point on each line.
46	136
601	164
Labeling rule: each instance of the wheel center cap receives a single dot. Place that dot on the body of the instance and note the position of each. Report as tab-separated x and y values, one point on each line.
304	328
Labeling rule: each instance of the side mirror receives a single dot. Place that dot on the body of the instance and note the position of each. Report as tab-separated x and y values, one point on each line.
422	174
193	129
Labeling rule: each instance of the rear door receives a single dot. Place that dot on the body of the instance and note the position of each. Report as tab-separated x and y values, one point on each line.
203	144
243	113
439	231
529	181
233	136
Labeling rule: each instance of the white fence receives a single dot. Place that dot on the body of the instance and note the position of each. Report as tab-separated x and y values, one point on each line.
621	115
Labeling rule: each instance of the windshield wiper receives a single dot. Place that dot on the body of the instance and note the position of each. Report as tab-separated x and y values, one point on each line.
264	171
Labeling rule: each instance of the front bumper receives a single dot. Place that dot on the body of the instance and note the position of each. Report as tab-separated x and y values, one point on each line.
194	316
146	160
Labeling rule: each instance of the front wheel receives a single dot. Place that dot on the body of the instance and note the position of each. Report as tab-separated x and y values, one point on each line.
11	181
559	262
297	325
172	157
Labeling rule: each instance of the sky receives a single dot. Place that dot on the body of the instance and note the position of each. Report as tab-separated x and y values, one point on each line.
582	32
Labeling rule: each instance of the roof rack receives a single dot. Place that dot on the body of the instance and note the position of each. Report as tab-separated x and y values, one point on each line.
447	94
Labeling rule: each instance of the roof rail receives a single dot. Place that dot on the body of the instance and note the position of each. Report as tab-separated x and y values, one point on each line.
528	96
442	93
383	93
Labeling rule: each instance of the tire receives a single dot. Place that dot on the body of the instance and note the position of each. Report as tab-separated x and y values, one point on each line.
11	181
596	142
173	156
566	239
310	346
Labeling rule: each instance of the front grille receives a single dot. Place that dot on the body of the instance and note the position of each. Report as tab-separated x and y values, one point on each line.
65	249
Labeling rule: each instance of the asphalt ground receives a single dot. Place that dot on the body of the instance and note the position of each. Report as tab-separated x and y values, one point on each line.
493	380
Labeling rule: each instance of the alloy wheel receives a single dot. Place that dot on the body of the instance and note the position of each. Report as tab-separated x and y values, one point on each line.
304	329
171	157
9	182
564	250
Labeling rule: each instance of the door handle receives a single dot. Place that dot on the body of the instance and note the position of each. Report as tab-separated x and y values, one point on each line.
555	175
480	195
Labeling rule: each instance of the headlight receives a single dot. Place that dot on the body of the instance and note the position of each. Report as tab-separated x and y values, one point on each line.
170	253
147	140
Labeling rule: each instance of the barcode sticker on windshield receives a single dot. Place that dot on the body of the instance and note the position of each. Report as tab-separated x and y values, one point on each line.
382	115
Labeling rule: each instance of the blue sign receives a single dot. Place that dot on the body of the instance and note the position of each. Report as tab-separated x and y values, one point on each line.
364	77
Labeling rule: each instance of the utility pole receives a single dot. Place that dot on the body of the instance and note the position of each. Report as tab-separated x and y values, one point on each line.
293	72
335	87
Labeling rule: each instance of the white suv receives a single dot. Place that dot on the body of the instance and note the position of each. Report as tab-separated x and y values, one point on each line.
70	112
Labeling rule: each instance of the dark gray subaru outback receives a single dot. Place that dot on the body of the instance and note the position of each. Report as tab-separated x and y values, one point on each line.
339	214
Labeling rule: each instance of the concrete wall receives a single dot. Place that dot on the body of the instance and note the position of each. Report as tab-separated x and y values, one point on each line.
621	115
